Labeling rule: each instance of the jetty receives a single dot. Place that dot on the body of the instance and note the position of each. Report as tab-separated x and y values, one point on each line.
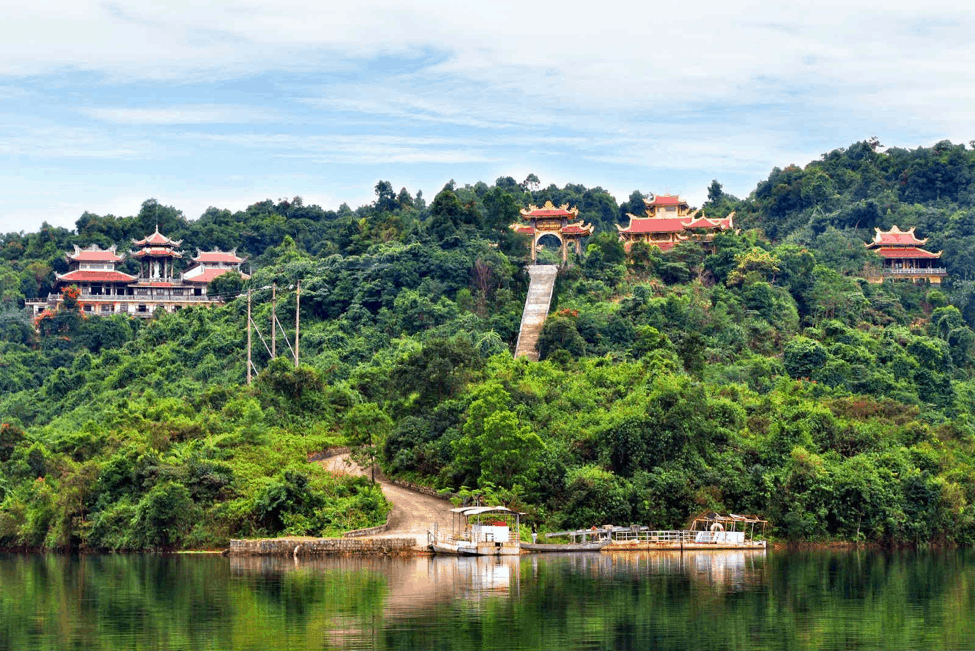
708	531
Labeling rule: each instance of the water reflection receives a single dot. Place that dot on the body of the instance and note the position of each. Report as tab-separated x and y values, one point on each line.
410	582
663	600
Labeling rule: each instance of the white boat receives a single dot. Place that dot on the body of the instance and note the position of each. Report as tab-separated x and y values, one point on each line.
480	531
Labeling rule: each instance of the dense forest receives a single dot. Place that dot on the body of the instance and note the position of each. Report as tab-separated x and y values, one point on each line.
765	376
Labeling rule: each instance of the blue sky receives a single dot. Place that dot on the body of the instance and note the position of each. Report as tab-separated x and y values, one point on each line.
105	104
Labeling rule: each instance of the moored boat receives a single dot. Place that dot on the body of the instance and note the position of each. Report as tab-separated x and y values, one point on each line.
708	531
480	531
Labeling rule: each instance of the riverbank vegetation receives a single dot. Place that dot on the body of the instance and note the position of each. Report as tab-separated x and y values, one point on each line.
766	376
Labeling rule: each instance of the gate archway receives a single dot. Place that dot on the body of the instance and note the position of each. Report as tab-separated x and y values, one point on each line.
549	220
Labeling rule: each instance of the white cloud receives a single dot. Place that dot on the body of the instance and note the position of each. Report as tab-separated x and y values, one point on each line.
28	138
188	114
621	90
620	53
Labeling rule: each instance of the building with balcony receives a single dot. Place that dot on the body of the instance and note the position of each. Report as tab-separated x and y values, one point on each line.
904	259
104	290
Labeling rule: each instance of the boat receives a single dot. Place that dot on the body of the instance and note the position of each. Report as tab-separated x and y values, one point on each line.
479	531
708	531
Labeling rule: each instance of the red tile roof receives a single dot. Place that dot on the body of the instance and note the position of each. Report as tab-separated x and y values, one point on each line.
549	210
654	225
94	255
217	256
208	275
895	237
703	222
906	252
667	200
575	229
156	238
81	276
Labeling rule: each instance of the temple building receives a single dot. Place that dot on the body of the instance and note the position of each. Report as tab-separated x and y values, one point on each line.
207	265
904	258
558	222
157	253
106	291
670	221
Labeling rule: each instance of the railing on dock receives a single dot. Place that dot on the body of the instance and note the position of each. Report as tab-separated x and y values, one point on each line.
624	534
670	536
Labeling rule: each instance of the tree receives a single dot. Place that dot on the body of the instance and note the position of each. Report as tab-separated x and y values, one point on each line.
715	192
385	197
531	183
366	428
404	199
803	357
445	214
227	284
560	333
508	450
501	209
500	450
163	517
752	266
634	205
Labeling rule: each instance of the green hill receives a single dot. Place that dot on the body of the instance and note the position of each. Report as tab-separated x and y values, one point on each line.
766	376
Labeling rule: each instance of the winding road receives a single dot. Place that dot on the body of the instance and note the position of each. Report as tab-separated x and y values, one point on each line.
413	513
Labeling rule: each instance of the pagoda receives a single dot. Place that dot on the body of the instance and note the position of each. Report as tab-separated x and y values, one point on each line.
670	221
157	254
555	221
903	257
207	265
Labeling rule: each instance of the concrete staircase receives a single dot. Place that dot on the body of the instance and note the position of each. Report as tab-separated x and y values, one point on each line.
536	309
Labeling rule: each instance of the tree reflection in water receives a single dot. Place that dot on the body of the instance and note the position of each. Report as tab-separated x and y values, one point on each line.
743	600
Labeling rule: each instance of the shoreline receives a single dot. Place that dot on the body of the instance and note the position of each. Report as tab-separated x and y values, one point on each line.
383	546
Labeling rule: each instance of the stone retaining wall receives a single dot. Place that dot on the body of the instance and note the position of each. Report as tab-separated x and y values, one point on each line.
323	546
371	531
326	454
416	488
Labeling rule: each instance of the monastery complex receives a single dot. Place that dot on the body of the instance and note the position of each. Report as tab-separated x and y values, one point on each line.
669	221
104	290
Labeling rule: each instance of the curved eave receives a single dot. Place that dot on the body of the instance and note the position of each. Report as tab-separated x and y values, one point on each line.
166	253
84	276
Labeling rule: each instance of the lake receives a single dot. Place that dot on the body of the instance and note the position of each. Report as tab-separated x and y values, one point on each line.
703	600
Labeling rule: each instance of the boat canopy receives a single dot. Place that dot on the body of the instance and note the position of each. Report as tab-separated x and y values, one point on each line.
731	517
712	521
468	511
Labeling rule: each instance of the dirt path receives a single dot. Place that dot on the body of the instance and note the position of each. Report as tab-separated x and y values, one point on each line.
413	513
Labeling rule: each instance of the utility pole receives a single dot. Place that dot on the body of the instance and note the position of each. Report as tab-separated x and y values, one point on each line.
297	319
248	337
274	318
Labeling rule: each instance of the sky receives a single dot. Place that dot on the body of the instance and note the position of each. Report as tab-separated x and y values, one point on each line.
106	104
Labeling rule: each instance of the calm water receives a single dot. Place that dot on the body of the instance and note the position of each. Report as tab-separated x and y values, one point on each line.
716	600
